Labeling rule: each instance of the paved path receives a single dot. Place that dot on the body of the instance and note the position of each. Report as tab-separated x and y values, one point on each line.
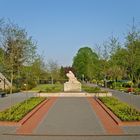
32	122
70	116
9	100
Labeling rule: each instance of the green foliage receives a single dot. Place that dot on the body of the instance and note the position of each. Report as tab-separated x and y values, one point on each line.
54	70
120	109
14	90
90	89
18	50
49	88
85	63
18	111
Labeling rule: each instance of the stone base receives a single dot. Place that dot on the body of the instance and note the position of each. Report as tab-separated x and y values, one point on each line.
72	87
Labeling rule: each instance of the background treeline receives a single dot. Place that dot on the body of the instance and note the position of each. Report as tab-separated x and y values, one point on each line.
113	61
19	60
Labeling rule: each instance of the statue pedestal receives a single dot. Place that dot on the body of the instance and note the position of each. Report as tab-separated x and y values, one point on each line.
72	87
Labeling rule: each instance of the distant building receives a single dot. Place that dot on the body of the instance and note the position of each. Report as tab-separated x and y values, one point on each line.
4	83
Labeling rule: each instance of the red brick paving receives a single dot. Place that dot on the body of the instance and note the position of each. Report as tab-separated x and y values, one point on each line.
32	123
109	124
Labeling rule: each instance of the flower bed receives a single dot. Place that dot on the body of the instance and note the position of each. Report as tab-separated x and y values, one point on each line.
120	109
18	111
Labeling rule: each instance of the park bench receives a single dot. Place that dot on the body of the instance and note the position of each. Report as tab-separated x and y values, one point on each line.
2	94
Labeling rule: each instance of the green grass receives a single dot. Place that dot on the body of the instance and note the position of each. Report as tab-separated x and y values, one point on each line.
49	88
122	110
90	89
18	111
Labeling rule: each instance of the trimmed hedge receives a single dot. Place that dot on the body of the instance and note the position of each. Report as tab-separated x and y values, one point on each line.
18	111
122	110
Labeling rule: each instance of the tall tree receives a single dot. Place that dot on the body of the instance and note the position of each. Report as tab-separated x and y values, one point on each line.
19	49
54	70
85	63
133	49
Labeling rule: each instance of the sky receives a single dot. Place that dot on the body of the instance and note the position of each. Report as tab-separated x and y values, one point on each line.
61	27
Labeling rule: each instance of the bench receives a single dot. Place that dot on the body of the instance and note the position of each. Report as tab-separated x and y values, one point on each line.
2	94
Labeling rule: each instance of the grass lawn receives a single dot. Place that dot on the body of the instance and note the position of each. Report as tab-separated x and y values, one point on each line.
90	89
47	88
122	110
18	111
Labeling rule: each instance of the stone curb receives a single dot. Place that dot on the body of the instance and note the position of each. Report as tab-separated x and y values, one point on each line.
68	94
116	119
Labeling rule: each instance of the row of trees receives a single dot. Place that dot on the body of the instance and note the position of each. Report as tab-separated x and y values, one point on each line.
112	60
18	55
21	64
19	61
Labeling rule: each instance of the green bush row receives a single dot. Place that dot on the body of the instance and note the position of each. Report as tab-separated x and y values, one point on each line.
18	111
122	110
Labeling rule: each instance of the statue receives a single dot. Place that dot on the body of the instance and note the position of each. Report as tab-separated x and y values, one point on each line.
73	84
72	78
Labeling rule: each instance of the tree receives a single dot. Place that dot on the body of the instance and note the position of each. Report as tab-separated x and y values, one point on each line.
38	69
54	70
19	49
133	53
85	63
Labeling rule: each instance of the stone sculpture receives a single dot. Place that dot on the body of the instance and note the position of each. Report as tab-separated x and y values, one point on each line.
73	84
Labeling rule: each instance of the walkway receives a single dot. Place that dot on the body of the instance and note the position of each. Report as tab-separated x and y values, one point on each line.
71	119
71	116
6	102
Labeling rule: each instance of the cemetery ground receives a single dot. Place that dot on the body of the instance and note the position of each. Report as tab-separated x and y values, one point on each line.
69	118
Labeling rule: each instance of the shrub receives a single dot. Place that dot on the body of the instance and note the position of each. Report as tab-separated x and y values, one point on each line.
138	85
14	90
126	85
94	81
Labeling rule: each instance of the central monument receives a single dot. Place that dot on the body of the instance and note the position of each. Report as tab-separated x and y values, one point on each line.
73	85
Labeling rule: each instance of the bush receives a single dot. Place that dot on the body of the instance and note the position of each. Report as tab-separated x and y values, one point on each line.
120	109
94	81
126	85
117	84
138	85
14	90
